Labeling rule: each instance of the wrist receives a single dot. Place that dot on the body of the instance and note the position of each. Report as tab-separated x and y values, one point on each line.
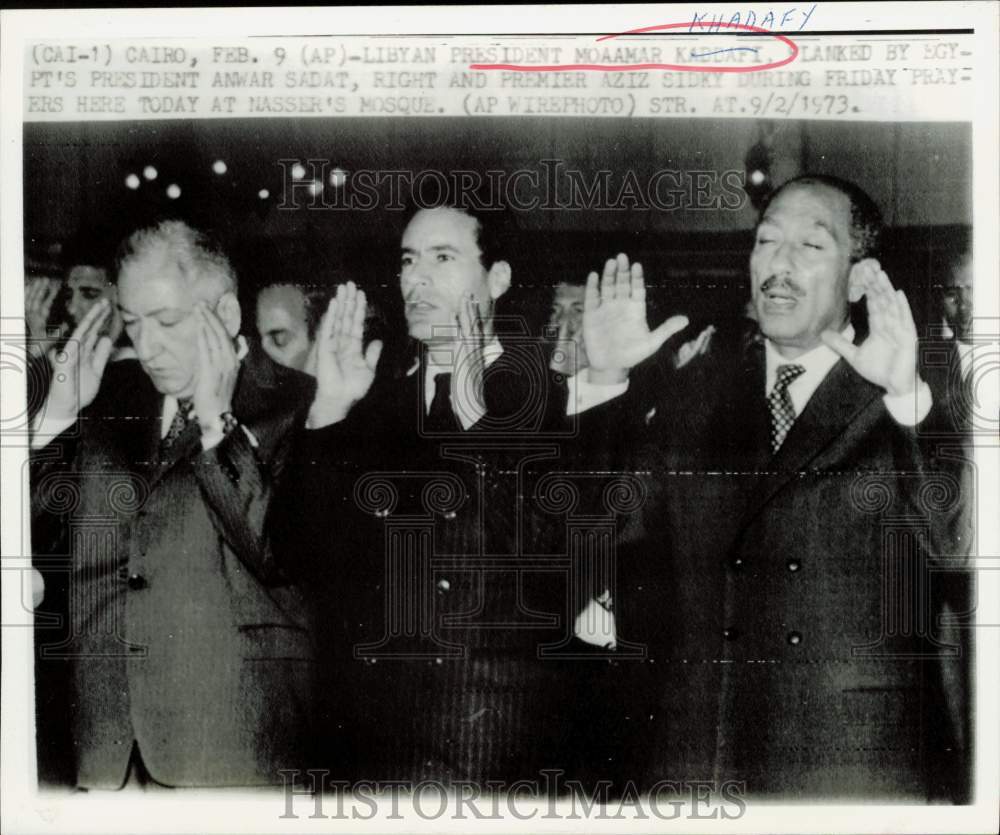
323	412
606	377
897	389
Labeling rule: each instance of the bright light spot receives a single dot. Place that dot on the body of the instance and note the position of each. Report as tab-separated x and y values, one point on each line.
338	177
219	167
132	182
149	172
263	194
315	188
173	191
757	177
298	171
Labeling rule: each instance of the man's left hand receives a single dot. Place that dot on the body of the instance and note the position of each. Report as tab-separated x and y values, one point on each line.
216	376
468	400
888	357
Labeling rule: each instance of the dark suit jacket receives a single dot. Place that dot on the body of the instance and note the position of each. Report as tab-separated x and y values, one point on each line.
787	602
433	604
182	637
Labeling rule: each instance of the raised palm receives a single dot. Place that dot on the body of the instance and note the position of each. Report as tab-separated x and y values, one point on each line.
888	357
344	369
615	329
78	368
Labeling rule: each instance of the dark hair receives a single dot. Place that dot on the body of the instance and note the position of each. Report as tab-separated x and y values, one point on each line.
866	219
492	228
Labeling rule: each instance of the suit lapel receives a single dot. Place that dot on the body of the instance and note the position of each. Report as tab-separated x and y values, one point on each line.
840	398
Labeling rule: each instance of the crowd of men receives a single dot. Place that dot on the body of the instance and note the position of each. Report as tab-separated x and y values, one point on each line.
633	554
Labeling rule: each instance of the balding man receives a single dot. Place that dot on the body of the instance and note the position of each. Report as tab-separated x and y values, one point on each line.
190	663
787	581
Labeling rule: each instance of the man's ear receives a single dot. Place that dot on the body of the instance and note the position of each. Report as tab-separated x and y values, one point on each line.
228	310
498	279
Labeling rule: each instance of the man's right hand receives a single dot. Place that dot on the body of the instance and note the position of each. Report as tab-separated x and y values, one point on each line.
38	298
344	371
77	368
615	329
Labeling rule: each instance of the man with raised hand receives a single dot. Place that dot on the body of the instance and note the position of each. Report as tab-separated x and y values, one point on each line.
781	574
408	508
191	664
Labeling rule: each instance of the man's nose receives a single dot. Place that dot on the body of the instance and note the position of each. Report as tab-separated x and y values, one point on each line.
781	260
73	308
416	276
147	346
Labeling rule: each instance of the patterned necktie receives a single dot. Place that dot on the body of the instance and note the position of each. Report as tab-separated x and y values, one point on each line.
441	418
780	404
182	417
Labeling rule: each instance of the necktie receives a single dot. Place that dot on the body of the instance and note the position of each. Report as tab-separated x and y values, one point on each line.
780	404
441	418
182	417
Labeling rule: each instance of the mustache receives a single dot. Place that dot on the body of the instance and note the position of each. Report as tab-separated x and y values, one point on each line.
782	282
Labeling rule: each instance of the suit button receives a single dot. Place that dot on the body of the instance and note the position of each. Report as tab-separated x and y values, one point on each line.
730	633
137	582
794	638
794	565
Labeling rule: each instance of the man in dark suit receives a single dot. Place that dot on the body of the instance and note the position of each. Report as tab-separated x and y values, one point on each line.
781	576
190	662
447	630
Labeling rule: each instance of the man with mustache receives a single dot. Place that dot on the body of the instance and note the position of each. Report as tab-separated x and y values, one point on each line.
782	581
406	511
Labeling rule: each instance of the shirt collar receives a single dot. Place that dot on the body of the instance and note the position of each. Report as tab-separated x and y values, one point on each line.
491	353
817	362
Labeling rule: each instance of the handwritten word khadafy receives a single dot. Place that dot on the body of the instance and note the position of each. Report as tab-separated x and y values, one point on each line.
794	19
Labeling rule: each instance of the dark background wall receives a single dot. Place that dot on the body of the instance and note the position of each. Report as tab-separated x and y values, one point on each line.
919	173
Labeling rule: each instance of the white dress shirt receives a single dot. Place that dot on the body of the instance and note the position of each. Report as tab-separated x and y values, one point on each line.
491	353
906	410
48	429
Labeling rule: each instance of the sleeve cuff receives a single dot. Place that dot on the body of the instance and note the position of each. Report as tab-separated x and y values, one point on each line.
584	395
47	429
910	409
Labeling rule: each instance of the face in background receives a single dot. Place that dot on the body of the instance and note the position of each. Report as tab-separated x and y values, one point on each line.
85	285
440	267
957	299
800	267
566	317
157	303
282	322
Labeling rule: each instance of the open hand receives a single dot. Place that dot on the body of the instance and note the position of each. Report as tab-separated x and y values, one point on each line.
217	371
615	330
467	398
344	370
888	357
77	368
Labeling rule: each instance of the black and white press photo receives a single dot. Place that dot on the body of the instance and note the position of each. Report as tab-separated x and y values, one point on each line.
414	416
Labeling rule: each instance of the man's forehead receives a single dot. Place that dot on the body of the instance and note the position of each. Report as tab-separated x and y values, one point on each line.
86	274
440	227
148	278
814	204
